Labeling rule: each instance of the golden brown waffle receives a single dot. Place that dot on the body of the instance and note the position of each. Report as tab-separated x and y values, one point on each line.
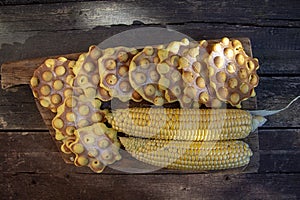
193	72
232	72
51	82
96	146
113	68
73	114
87	80
144	77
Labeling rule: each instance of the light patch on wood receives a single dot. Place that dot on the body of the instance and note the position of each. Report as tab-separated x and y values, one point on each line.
13	89
3	123
16	38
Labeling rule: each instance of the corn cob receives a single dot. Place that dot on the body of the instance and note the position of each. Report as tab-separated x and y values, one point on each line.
187	155
183	124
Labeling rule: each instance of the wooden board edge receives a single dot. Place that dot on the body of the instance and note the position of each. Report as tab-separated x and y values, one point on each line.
9	70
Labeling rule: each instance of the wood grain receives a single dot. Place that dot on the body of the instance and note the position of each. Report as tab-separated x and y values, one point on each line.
36	152
276	48
284	139
26	2
192	186
87	15
271	161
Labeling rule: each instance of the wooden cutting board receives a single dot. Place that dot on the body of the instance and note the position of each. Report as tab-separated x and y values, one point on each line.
20	72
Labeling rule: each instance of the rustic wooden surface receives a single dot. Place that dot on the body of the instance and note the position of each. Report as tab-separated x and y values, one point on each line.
30	165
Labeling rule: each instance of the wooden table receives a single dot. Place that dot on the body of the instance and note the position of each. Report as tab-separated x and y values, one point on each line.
30	164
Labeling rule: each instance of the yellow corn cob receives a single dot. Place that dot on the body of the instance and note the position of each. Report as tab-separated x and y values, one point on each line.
186	155
182	124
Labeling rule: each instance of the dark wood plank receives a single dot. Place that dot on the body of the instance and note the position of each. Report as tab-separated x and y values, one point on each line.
275	93
37	152
279	161
194	186
26	142
26	2
279	139
279	150
276	48
86	15
13	103
52	162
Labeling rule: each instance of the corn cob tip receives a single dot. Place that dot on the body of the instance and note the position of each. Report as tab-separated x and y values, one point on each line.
257	121
123	140
258	116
